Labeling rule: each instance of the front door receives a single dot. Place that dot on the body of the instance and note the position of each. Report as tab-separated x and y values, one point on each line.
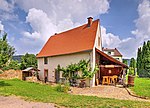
46	74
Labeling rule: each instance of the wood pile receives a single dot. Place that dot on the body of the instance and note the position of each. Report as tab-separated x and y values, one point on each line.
11	74
31	79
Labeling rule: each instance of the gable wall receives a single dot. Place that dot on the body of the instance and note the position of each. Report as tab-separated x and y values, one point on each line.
63	61
98	34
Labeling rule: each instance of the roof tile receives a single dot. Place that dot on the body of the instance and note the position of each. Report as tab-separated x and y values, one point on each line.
75	40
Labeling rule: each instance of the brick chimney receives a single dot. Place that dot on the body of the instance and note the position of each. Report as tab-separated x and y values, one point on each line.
89	21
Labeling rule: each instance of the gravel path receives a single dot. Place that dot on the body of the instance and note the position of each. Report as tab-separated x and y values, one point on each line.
100	91
106	92
16	102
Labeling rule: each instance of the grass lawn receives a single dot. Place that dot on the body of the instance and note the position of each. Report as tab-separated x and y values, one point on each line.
45	93
142	87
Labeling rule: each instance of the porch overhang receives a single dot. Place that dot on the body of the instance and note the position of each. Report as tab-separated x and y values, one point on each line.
116	62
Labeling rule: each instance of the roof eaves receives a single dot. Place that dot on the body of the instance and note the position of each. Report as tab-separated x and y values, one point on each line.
65	53
111	58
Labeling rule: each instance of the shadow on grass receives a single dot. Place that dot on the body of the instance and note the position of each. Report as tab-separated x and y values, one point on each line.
2	84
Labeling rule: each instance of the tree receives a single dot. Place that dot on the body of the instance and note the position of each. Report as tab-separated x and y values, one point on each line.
28	60
144	48
133	63
6	51
132	66
125	61
143	60
139	59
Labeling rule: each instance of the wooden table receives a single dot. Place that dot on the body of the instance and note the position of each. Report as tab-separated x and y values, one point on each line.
109	79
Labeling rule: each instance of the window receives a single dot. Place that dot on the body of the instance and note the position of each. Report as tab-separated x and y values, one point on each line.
117	58
109	53
45	60
98	41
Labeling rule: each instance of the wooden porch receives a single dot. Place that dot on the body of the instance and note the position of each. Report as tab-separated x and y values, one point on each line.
110	69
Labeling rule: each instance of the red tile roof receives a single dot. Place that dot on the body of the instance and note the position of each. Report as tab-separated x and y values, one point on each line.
116	52
75	40
111	58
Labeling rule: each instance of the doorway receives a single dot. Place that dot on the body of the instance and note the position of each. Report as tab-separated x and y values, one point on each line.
46	74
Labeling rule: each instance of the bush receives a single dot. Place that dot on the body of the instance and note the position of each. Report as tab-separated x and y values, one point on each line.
63	88
66	88
5	68
59	88
12	65
144	73
131	71
1	72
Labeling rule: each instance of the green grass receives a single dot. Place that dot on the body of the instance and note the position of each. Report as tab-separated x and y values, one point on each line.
142	87
45	93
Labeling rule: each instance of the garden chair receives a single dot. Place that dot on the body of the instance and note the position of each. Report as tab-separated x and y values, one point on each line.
114	79
110	79
105	80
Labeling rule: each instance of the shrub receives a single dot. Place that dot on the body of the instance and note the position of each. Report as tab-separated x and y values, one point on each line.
59	88
12	65
1	72
144	73
63	88
131	71
66	88
5	68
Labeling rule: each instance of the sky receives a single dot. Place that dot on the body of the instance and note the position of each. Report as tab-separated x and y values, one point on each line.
125	24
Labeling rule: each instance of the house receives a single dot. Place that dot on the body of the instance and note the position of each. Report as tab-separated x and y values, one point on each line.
113	52
83	42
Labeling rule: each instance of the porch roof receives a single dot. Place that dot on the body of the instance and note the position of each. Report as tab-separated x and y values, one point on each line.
29	69
111	58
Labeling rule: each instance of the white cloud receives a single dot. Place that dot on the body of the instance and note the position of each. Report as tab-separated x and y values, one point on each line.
1	26
41	25
7	10
143	22
5	6
108	39
62	9
129	46
53	16
125	46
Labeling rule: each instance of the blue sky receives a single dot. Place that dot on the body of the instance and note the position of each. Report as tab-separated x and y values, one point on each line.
125	24
120	17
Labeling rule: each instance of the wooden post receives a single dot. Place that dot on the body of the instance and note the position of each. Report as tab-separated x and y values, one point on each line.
124	77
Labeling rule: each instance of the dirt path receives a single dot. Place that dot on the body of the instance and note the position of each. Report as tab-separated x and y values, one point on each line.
106	92
15	102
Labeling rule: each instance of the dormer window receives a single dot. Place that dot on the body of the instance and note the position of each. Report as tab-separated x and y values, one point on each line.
45	60
109	53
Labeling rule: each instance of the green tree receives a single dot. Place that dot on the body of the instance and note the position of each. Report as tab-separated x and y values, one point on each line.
132	66
143	60
139	59
144	48
133	63
148	44
28	60
6	51
125	61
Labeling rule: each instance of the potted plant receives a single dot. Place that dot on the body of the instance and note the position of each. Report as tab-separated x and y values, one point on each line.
131	76
87	74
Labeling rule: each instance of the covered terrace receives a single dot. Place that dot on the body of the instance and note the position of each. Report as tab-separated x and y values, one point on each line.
110	68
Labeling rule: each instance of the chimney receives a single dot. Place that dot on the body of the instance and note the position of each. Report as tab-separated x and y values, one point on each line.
89	21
